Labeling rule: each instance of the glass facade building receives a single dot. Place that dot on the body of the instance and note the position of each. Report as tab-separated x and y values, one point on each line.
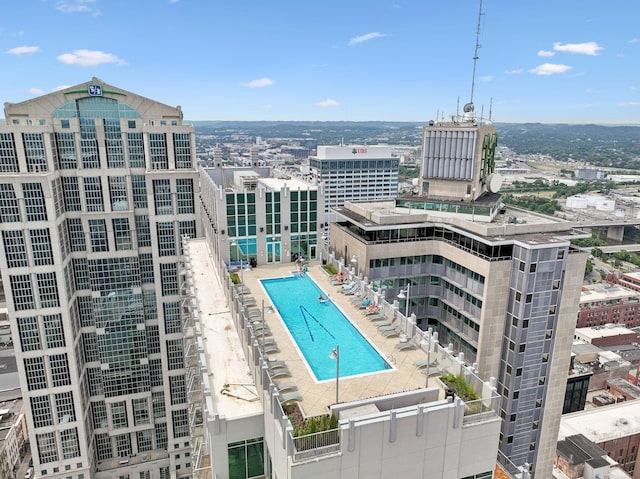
97	187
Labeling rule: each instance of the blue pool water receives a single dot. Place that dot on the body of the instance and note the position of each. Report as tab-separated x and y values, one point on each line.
317	328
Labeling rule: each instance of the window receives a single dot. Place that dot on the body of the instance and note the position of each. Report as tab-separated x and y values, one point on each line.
178	390
158	405
64	124
123	445
118	193
529	298
161	438
144	439
143	231
136	150
14	249
162	197
103	447
66	150
36	376
172	323
182	148
69	443
99	414
184	188
29	334
41	247
518	371
522	348
119	415
113	141
246	458
48	290
122	234
93	193
158	151
8	154
59	367
41	411
139	189
532	268
166	239
169	279
34	202
76	234
98	233
34	152
53	330
9	209
180	423
47	449
155	371
175	354
146	268
22	292
140	411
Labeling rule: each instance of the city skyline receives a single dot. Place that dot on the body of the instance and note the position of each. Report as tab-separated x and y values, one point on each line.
331	61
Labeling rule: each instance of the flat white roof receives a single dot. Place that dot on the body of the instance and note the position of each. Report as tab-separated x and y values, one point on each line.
603	423
225	359
607	331
294	184
600	292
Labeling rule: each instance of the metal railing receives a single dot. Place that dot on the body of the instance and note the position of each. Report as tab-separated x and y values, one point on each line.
316	444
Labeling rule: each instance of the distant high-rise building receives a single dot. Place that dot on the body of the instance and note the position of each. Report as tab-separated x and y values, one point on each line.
97	187
355	173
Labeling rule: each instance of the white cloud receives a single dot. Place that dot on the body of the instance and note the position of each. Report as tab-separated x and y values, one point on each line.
517	71
629	103
485	78
549	69
326	103
367	37
77	6
23	50
35	91
589	48
89	58
545	53
634	40
259	83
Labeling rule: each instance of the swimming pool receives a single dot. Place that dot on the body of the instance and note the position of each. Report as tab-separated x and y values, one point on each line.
317	327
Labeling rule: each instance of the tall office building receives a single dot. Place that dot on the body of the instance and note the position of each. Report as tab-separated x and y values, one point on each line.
500	285
97	186
355	173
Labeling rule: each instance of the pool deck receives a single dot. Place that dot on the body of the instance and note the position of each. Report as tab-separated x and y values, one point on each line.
225	356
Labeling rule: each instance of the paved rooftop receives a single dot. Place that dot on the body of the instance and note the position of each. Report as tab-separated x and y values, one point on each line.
226	362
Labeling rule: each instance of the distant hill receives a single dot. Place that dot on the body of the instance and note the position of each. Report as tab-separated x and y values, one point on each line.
605	146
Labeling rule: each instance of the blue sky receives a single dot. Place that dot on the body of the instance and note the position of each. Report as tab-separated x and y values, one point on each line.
550	61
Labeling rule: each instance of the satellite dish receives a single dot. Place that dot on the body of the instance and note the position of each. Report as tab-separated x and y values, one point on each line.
468	108
494	182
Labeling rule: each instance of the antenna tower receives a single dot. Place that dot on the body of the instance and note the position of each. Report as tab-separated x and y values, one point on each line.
475	55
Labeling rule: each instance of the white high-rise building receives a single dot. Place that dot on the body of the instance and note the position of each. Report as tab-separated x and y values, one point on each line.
97	186
355	173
